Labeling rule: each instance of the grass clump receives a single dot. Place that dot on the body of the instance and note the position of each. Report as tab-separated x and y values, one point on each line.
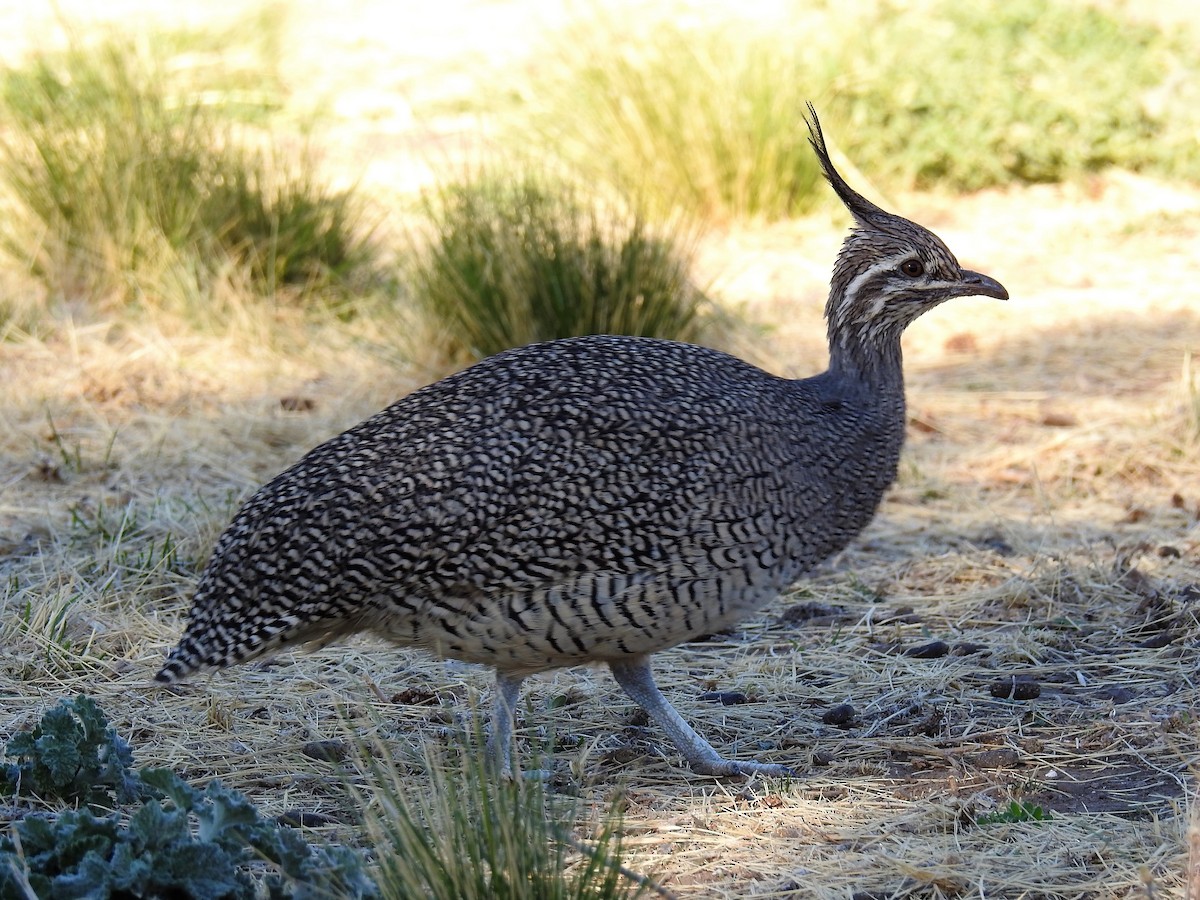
125	182
508	263
686	117
470	835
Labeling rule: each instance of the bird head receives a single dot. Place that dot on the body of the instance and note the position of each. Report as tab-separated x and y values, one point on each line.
889	270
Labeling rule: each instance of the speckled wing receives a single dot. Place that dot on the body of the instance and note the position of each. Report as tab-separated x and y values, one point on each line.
614	540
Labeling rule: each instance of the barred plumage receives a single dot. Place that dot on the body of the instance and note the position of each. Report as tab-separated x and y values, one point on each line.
591	499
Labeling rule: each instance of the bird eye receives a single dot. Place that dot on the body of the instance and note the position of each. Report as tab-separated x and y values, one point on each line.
912	268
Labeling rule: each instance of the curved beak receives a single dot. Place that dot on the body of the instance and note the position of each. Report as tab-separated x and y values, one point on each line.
977	285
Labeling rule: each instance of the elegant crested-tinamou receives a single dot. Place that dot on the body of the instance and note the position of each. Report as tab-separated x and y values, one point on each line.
594	499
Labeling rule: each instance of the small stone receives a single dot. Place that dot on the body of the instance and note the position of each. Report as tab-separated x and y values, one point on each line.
962	342
297	404
621	756
999	758
725	698
807	612
969	648
1116	693
932	650
902	615
931	725
638	718
327	751
47	471
415	696
1015	688
1158	641
924	424
839	716
995	543
1059	420
303	818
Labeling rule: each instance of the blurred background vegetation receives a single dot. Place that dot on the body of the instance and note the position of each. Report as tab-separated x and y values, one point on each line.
168	172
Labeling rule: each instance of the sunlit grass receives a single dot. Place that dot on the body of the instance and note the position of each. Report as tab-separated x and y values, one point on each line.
697	118
966	96
132	185
706	115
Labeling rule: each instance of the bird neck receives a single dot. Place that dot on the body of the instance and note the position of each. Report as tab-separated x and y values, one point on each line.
871	359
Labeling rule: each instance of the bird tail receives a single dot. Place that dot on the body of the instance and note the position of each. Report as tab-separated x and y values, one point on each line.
183	661
208	644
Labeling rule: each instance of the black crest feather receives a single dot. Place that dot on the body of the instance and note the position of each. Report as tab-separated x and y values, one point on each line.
864	211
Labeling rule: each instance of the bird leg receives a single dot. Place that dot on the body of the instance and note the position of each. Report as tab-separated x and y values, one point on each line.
499	745
638	682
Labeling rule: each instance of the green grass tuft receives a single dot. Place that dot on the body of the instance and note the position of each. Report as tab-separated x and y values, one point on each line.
470	835
1016	813
131	185
510	262
686	118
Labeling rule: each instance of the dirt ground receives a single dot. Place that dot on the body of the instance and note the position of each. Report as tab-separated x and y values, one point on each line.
1020	623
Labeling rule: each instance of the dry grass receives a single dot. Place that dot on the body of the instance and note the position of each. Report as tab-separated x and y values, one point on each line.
1046	524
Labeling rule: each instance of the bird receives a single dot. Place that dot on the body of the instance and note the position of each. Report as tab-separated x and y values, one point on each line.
587	500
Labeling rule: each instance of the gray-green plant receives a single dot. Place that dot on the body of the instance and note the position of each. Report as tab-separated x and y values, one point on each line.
181	841
206	845
510	261
71	754
471	834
